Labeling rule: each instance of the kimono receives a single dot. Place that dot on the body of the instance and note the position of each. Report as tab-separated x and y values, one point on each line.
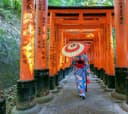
80	72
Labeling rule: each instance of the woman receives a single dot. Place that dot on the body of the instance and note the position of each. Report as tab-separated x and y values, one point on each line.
80	74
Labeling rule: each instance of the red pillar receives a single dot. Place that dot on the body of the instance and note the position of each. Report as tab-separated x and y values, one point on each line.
110	62
52	52
126	36
121	45
27	41
41	68
26	84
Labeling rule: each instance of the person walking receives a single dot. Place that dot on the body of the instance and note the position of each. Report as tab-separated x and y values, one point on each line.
79	72
76	50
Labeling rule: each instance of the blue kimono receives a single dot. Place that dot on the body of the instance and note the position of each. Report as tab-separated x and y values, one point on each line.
80	74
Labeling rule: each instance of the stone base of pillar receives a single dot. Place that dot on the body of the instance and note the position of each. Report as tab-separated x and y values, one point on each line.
111	82
127	90
118	95
102	73
109	89
120	78
2	105
91	67
105	79
95	71
33	110
98	73
42	82
45	99
57	79
59	75
25	95
53	87
124	106
52	83
25	102
66	69
64	73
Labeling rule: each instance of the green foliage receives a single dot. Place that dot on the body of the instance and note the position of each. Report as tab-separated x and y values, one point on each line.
12	5
54	2
6	3
9	48
80	2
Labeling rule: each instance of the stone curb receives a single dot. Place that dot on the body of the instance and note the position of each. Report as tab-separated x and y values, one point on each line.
60	87
34	110
118	96
109	89
124	106
54	90
45	99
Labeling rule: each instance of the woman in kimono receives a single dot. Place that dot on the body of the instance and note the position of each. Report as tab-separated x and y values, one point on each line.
80	74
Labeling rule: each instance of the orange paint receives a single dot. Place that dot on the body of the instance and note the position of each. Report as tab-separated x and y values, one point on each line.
41	35
27	41
52	46
61	46
111	67
121	45
126	25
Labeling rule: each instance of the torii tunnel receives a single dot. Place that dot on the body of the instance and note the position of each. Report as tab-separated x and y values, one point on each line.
42	64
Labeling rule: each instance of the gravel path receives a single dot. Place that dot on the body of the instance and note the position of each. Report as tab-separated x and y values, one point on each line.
67	100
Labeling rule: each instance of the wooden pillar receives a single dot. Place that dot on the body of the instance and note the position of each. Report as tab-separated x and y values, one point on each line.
56	43
102	48
96	55
67	58
100	54
126	36
58	48
61	62
64	42
55	51
41	68
91	56
110	62
52	61
59	56
26	84
99	49
94	52
106	67
121	46
61	46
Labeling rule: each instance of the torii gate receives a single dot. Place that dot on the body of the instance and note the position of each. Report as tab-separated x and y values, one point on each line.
60	19
85	19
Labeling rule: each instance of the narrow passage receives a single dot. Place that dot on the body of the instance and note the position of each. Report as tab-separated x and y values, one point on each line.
67	100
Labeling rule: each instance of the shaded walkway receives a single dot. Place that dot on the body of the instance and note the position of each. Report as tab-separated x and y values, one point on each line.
68	102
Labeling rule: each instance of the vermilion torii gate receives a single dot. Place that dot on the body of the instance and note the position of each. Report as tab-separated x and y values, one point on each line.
33	85
89	19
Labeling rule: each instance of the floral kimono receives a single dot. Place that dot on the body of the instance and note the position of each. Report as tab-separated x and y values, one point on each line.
80	74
